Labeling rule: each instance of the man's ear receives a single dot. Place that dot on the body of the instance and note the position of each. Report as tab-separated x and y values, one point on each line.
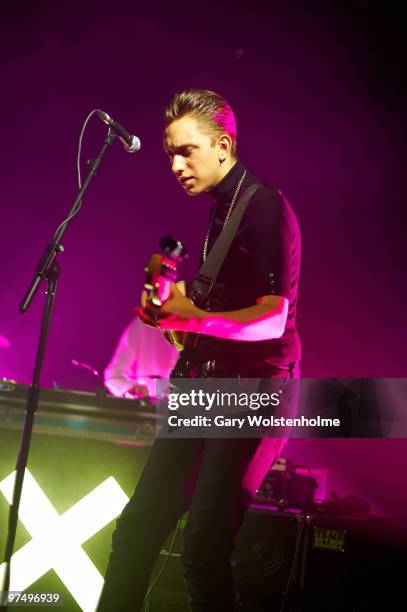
225	147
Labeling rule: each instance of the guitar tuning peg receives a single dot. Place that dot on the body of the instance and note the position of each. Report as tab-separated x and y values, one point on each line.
173	247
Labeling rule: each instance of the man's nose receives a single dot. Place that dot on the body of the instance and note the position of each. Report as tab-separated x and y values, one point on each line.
178	164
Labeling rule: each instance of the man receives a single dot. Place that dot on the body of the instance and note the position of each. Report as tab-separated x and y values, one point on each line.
141	357
246	328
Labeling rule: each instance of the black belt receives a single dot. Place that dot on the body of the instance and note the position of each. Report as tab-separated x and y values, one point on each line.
219	366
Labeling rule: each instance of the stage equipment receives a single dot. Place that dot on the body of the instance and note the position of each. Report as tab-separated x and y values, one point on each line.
352	564
293	562
284	488
94	416
87	453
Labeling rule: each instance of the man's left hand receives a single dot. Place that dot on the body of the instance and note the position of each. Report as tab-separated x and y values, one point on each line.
177	313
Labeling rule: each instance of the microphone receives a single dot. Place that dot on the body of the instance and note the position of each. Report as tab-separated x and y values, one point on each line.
131	143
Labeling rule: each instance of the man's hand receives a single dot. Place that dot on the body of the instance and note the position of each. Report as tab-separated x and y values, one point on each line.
177	313
136	390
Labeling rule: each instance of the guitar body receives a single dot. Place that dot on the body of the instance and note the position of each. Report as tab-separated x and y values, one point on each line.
181	340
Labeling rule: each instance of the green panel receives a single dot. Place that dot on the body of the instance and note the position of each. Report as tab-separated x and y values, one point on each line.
67	469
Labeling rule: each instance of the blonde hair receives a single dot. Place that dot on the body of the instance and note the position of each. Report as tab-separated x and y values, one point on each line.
208	107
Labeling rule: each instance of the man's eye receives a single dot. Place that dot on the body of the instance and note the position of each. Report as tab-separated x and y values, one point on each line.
182	152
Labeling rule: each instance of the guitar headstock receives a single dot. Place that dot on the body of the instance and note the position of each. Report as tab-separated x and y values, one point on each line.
161	270
173	248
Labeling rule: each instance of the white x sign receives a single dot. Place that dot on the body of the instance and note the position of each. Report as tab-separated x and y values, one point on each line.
56	539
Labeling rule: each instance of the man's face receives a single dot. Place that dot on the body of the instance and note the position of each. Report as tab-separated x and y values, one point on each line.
194	155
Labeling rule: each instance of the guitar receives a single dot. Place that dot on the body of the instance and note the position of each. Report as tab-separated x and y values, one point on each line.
161	275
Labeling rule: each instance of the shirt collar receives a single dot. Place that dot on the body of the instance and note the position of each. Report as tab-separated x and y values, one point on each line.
225	189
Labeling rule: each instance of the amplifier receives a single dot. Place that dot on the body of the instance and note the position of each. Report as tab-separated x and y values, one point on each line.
261	563
288	562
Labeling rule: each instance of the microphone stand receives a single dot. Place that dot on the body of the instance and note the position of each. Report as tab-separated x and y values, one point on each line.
48	270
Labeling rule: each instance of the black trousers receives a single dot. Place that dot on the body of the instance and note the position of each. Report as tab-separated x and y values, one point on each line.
216	480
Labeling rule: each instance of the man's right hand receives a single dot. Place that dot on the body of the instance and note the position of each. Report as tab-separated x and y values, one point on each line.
135	391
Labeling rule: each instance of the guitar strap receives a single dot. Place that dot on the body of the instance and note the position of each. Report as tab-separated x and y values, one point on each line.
205	279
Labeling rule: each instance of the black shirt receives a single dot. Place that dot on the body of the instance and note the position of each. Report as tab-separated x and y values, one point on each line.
264	259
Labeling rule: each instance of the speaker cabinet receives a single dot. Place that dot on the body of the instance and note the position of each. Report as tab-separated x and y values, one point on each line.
262	560
283	561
